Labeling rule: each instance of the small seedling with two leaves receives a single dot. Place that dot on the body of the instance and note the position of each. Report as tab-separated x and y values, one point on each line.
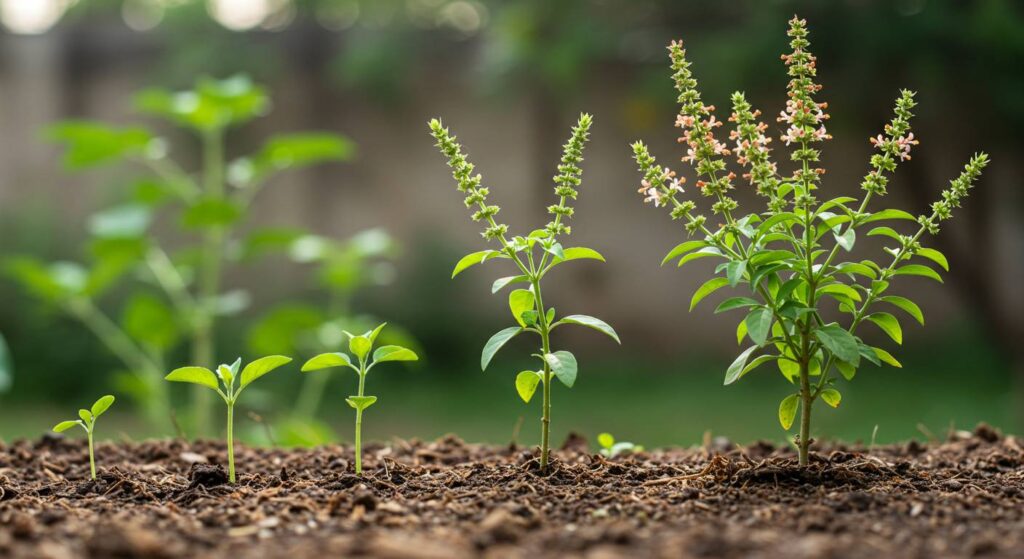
88	422
223	383
360	346
611	449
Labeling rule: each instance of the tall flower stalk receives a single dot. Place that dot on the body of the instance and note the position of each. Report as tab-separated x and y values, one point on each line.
790	258
533	256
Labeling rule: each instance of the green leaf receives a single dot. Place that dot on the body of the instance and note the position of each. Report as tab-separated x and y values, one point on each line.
327	360
887	357
855	268
360	403
934	256
556	250
734	271
520	301
65	425
359	346
563	364
847	239
889	324
148	319
702	253
840	289
86	416
127	221
6	374
708	288
847	370
591	322
735	370
102	405
262	366
194	375
577	253
91	143
495	343
918	270
735	303
886	232
286	151
681	249
741	332
394	353
768	256
211	212
888	214
606	440
840	342
500	283
759	324
210	105
526	384
471	260
787	410
832	397
907	305
372	334
776	219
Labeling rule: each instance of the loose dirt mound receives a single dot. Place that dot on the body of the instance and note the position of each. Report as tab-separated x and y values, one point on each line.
444	499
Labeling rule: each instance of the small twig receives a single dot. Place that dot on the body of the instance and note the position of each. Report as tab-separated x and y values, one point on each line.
715	462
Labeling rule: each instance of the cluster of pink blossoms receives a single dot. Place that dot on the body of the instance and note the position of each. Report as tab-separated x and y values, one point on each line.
806	121
660	195
693	138
903	144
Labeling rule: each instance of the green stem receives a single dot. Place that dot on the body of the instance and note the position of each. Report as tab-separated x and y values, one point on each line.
545	339
92	457
806	401
209	276
359	421
231	443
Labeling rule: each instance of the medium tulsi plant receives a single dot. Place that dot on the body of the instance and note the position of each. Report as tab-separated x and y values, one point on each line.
223	383
181	297
360	346
782	256
87	421
533	256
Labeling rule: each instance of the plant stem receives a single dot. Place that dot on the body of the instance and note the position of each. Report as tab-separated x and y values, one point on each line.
231	443
92	457
806	400
209	277
359	422
545	339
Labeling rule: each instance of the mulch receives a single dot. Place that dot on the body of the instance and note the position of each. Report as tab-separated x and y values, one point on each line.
449	499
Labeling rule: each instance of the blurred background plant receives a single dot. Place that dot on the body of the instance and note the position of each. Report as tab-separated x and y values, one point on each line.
511	76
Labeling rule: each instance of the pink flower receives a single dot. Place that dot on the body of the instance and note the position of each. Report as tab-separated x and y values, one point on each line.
654	196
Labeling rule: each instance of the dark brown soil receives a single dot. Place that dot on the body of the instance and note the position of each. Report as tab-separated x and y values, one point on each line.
169	499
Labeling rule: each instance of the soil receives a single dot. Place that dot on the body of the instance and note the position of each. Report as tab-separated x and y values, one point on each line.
449	499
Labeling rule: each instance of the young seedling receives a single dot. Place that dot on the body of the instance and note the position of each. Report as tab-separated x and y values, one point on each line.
783	256
223	383
533	256
88	422
611	449
360	346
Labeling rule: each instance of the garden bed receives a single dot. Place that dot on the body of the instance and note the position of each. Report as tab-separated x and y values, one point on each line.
964	497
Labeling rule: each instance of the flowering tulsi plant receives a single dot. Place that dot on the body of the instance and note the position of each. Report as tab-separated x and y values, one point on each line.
782	256
533	255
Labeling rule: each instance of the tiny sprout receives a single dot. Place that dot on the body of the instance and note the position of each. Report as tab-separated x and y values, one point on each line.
88	422
360	346
611	449
227	375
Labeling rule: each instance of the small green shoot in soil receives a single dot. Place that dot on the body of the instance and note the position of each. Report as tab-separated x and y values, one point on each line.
360	346
533	256
611	449
795	281
223	383
88	422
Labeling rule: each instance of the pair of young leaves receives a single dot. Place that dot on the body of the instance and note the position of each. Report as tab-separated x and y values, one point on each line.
88	416
360	346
